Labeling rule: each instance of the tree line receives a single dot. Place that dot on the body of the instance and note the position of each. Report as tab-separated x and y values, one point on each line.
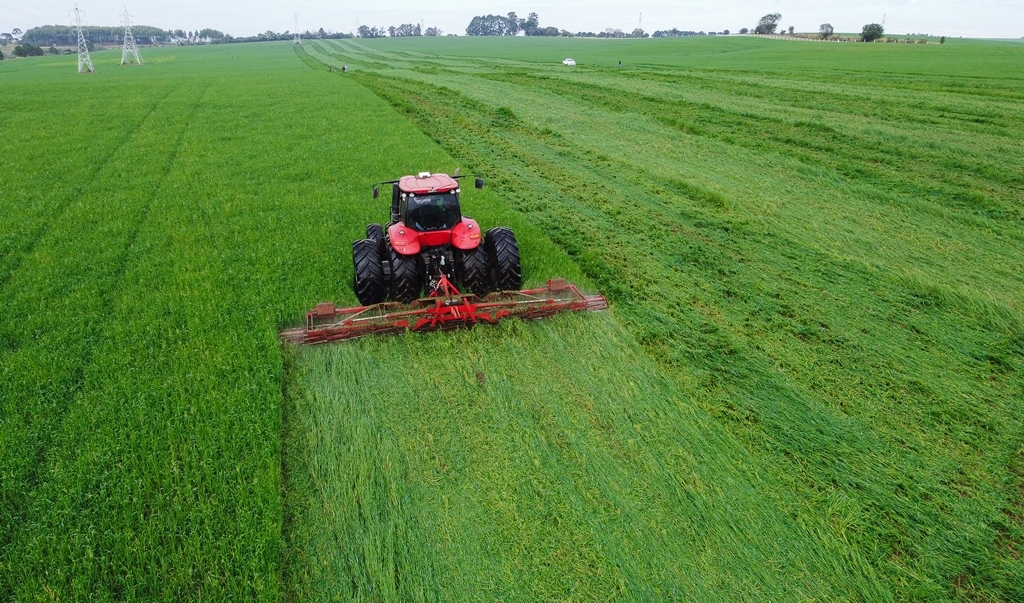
512	25
401	31
770	22
483	25
66	35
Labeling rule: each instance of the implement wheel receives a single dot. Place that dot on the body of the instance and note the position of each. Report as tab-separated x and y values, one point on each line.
503	259
369	278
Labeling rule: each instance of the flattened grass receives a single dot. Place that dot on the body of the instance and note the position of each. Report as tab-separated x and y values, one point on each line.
827	262
533	461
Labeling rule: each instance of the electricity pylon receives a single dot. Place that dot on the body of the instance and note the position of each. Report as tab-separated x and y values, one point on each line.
298	39
130	49
84	61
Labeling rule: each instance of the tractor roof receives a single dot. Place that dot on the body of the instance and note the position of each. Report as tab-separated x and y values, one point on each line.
426	182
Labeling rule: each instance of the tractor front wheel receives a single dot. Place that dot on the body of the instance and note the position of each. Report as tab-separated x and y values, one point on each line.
503	259
471	267
406	277
369	278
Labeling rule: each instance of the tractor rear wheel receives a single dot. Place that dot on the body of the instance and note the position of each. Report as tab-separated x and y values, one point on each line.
375	232
471	268
369	278
406	277
503	259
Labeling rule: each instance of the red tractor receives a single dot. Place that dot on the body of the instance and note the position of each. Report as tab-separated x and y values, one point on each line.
428	238
430	247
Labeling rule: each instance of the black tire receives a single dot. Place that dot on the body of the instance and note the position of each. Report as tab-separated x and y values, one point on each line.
375	232
471	268
406	277
369	278
503	259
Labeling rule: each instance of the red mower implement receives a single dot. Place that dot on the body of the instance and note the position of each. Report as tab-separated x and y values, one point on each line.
429	246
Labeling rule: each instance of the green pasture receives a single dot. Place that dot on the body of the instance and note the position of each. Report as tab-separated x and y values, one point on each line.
957	57
808	387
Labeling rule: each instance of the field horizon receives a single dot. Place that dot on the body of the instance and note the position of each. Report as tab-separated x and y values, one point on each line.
809	385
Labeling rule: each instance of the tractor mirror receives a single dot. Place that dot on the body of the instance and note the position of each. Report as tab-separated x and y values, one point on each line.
479	183
376	192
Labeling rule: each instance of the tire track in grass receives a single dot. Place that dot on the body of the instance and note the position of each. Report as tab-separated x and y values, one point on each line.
58	205
42	376
164	475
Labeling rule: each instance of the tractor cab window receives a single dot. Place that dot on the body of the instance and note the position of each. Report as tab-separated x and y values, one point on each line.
432	212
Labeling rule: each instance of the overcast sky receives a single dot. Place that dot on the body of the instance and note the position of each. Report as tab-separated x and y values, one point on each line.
968	18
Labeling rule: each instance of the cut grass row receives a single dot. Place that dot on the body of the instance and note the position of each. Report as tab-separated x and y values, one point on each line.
848	309
544	461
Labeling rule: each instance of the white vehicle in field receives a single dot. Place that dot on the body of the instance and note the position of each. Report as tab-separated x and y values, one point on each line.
569	62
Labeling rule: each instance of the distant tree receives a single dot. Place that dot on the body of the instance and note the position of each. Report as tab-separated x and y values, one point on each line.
790	30
212	34
487	25
1	55
514	24
530	25
371	32
5	39
942	40
404	30
825	29
28	50
725	32
871	32
432	31
16	33
493	25
638	33
53	50
768	23
321	33
744	31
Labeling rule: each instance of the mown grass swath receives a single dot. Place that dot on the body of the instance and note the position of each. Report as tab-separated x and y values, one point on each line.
826	262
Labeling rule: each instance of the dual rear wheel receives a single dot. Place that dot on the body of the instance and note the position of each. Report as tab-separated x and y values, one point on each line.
381	272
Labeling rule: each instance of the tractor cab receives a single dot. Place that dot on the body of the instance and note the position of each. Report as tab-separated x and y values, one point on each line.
426	202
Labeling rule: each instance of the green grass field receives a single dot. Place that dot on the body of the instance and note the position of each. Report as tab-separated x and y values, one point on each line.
809	386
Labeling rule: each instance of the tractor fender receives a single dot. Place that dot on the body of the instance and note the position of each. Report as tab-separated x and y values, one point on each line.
403	240
466	235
